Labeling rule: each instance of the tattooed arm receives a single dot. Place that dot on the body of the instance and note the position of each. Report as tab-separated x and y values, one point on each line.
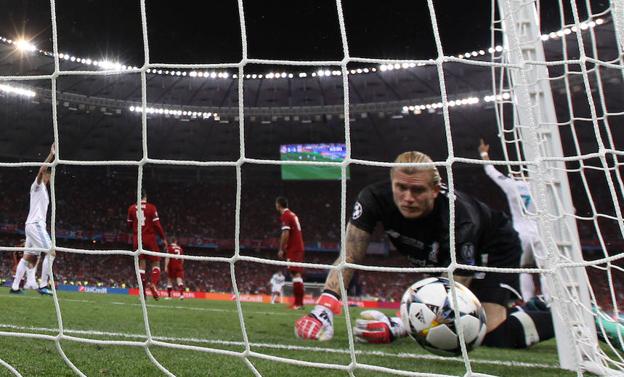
357	241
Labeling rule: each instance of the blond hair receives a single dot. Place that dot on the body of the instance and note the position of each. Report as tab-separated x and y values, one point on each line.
414	157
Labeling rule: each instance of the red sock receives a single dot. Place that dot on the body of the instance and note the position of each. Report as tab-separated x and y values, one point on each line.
298	291
169	289
181	289
155	276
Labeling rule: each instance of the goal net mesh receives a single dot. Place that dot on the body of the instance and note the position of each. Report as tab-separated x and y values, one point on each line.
584	71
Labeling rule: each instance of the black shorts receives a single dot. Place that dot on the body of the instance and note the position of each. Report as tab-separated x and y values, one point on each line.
497	288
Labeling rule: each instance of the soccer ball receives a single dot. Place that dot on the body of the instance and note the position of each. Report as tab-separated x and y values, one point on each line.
428	316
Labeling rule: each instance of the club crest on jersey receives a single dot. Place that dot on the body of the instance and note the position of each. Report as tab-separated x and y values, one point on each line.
468	253
357	211
433	254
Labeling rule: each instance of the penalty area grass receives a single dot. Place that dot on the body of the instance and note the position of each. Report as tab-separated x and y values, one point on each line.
211	334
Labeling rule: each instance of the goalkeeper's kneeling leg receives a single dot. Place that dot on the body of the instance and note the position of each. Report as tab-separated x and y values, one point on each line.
521	329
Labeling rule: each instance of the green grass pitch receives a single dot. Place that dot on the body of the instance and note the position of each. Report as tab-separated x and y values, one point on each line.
215	325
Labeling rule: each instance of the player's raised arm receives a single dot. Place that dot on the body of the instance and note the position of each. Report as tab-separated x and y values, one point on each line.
499	178
484	150
44	168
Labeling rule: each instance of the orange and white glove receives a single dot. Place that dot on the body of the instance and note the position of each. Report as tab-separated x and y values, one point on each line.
375	327
318	325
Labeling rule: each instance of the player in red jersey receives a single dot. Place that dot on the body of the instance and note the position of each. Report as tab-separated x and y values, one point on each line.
291	247
149	229
174	268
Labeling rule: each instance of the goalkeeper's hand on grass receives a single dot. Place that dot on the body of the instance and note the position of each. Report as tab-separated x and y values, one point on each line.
375	327
318	325
314	326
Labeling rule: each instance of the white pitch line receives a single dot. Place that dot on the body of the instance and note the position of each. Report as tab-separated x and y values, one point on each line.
74	300
402	355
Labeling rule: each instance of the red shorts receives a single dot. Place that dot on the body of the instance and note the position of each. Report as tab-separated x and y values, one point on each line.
148	244
175	272
295	256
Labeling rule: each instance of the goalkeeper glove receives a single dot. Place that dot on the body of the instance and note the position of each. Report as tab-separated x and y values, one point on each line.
318	325
376	327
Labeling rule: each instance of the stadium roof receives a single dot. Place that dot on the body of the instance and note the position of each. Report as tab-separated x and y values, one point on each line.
196	31
98	113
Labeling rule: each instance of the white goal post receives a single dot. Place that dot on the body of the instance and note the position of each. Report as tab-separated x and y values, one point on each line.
536	125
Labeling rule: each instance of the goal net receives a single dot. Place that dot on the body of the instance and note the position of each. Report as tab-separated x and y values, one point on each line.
552	97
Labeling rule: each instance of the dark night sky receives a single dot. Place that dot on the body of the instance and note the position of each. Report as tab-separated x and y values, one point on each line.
192	31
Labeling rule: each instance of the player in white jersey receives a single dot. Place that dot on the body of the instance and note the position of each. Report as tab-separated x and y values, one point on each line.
277	284
36	233
521	205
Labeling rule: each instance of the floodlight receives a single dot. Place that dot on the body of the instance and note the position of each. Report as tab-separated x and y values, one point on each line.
24	46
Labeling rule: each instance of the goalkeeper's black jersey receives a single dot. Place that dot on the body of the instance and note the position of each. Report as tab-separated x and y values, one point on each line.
483	236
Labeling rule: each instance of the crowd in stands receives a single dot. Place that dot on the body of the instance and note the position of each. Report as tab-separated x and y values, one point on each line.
204	209
97	201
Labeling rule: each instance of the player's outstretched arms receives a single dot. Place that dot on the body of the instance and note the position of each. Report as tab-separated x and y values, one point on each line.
318	325
375	327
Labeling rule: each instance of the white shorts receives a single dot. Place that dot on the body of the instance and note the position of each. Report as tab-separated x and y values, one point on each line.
277	291
36	236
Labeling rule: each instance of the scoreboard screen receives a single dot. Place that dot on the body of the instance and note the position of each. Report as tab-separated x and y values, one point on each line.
313	153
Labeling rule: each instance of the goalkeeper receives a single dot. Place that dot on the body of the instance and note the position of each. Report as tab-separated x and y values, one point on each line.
414	211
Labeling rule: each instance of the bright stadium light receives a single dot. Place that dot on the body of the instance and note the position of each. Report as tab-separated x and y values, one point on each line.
14	90
417	109
24	46
174	112
106	64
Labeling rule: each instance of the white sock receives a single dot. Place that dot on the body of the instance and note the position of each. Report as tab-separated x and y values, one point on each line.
22	266
45	268
31	280
527	287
